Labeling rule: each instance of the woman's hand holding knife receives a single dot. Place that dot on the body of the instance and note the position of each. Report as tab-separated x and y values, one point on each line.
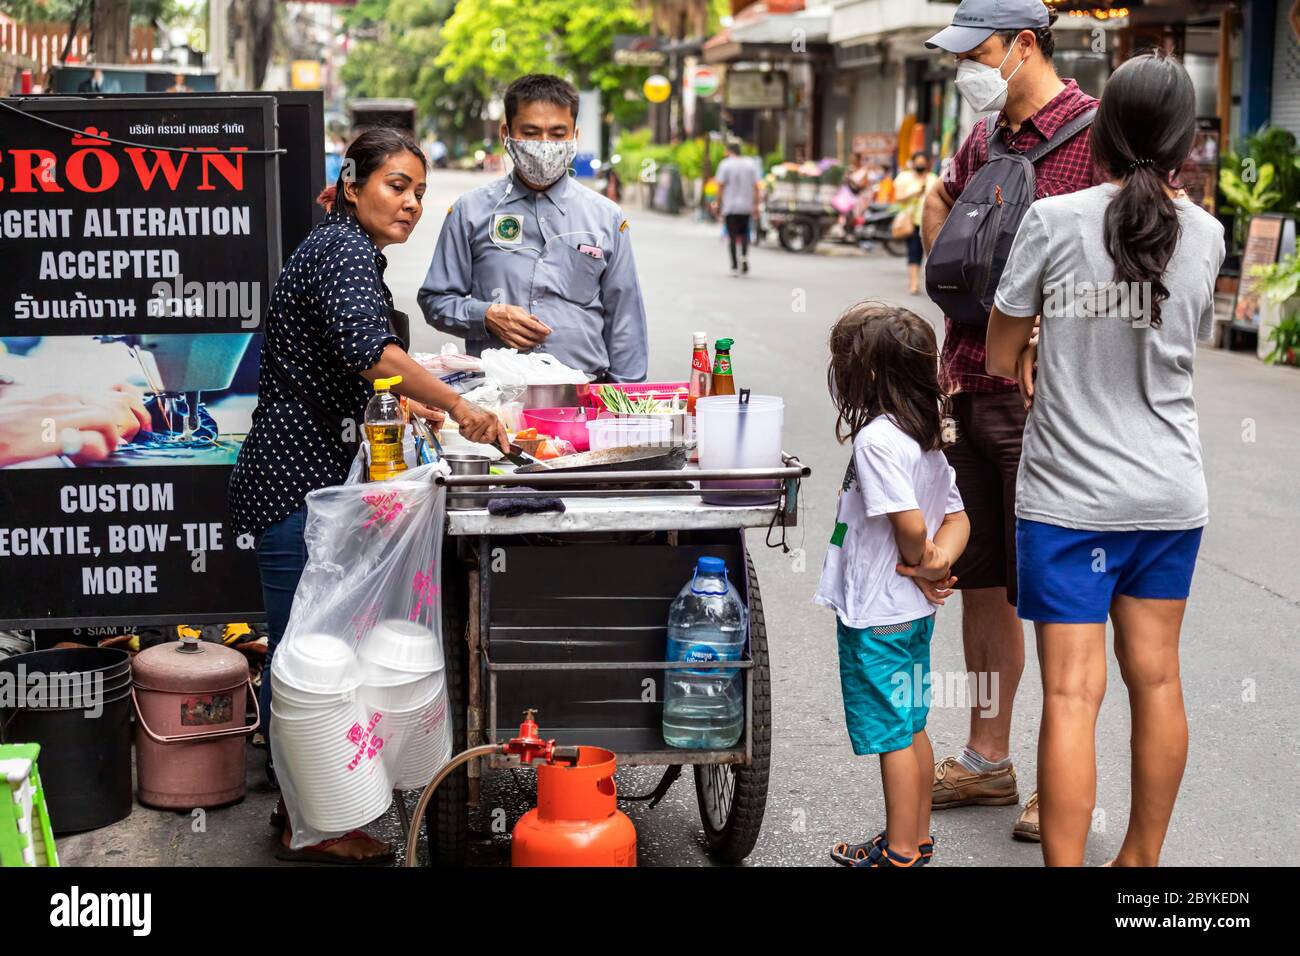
479	425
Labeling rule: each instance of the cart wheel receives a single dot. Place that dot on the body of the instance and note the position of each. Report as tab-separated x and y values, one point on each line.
446	820
798	235
895	247
732	797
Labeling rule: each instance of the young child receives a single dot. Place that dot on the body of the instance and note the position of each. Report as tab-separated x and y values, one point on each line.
899	526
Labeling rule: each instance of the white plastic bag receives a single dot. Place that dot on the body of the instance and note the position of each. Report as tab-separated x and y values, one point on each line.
359	702
509	367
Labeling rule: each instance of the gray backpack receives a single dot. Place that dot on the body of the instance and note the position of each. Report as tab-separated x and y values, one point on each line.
971	250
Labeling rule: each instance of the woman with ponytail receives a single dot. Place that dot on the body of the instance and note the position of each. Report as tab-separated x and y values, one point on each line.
1111	497
329	332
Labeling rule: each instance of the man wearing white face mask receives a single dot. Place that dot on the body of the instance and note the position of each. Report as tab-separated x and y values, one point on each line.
536	260
1004	51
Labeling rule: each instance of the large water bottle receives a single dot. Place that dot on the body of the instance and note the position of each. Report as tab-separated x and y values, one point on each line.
705	708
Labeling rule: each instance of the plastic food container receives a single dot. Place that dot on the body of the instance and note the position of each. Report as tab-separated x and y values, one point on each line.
732	435
318	663
677	423
627	430
567	423
389	697
399	645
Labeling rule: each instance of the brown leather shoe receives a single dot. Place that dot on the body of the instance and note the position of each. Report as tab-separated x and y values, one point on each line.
1026	827
955	786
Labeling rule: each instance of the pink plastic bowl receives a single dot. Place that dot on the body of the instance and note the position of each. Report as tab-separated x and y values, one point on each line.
567	423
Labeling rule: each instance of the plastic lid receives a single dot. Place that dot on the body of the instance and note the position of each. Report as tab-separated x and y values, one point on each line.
700	338
384	384
723	344
711	565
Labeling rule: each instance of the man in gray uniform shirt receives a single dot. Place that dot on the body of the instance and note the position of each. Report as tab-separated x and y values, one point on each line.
535	260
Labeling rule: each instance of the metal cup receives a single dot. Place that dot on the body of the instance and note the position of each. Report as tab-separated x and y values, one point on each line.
464	463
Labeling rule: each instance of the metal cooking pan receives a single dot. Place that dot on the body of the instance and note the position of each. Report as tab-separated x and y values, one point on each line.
623	458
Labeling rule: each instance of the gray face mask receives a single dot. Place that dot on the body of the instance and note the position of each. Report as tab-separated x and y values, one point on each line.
542	162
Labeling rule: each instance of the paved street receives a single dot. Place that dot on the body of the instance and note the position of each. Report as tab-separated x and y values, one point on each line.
1240	669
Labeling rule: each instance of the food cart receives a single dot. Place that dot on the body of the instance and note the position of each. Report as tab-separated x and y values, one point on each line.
566	613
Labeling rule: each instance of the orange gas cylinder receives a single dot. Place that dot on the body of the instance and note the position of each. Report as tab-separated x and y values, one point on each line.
576	821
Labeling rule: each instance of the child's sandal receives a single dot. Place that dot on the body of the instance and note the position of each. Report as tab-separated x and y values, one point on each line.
849	854
881	855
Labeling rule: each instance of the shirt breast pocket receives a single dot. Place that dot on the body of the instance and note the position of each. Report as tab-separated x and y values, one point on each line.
1045	186
577	276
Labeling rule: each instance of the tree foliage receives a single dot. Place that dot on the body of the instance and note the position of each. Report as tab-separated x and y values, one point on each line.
454	56
62	11
491	42
400	62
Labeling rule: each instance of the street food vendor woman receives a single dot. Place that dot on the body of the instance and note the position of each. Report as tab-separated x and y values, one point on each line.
327	336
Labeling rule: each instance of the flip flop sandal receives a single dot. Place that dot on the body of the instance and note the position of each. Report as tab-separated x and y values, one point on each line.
849	854
317	854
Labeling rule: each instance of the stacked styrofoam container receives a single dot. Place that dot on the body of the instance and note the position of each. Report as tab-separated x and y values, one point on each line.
404	681
350	727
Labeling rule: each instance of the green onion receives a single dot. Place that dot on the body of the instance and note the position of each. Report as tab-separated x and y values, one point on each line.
620	403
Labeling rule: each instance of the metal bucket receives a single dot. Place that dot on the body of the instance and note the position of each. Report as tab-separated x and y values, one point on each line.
190	702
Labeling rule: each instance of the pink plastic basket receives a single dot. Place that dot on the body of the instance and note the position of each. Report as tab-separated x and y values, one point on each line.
659	390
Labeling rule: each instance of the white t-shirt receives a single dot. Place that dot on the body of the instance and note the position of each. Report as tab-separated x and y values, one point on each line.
888	473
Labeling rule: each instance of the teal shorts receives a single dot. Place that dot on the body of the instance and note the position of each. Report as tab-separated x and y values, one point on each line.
885	680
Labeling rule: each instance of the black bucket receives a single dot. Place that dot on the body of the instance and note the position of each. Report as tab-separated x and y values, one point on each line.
82	720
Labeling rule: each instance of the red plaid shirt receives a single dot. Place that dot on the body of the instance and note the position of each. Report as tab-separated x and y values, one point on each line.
1066	169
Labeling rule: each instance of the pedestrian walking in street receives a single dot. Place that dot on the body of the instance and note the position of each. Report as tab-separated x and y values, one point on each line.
899	527
1111	498
535	260
739	196
328	335
910	188
1004	54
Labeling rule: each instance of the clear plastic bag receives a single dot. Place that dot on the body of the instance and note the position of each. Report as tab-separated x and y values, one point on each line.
449	359
359	703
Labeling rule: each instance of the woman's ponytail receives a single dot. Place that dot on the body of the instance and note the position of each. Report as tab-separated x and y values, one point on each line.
1144	129
1141	232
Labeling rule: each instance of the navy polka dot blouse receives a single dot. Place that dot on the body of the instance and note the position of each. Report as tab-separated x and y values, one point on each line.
326	323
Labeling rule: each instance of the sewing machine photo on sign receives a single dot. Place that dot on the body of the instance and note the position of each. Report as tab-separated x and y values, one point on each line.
162	399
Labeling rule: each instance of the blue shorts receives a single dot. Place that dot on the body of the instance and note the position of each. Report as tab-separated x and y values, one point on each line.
1071	576
885	679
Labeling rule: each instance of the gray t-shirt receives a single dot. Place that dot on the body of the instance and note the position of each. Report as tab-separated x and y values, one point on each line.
1111	443
737	175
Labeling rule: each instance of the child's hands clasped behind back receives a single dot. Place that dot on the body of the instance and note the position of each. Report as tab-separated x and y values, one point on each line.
936	592
935	564
933	575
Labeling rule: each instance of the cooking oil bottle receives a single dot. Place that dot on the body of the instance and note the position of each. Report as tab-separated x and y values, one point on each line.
385	429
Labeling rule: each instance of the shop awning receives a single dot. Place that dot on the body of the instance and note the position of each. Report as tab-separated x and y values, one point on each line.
758	33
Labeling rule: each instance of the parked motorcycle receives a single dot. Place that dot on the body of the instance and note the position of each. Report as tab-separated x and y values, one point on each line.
875	225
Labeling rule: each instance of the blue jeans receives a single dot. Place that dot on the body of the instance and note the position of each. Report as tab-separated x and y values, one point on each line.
281	556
